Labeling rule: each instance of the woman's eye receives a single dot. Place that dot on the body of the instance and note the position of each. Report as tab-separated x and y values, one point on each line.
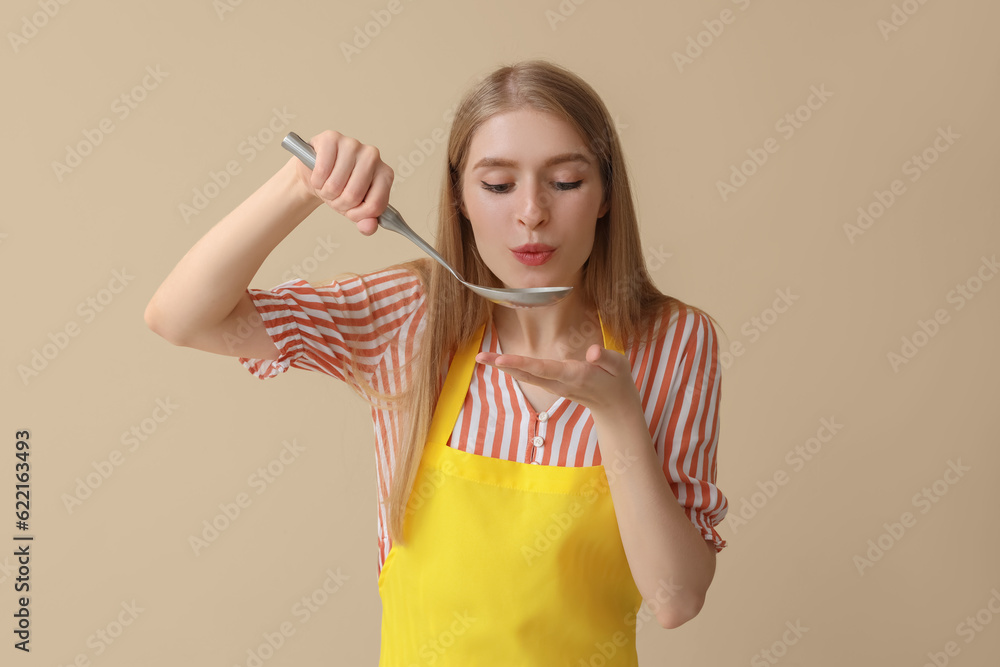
495	188
502	188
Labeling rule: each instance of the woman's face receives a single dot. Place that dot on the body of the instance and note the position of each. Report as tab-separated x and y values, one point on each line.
531	179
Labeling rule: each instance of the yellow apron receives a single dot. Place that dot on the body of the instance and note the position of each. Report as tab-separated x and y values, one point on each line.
507	563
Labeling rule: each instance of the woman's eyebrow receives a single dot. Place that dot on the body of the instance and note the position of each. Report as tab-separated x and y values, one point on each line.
555	159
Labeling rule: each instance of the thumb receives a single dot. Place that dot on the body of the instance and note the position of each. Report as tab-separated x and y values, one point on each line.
368	226
604	359
595	354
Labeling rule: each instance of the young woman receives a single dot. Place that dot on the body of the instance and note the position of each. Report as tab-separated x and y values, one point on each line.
541	471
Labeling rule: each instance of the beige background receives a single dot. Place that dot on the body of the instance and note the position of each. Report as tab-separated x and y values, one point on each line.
226	67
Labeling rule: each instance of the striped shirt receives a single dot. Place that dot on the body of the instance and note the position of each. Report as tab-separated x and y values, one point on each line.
380	316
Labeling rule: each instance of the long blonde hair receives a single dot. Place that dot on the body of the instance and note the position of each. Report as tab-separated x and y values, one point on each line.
615	276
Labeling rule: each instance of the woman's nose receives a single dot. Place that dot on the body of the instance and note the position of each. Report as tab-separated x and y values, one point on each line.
534	205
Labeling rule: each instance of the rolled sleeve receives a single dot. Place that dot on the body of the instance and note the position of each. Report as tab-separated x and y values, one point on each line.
322	328
689	435
280	324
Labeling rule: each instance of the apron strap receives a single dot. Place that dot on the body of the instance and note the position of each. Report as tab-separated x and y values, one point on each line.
456	386
609	342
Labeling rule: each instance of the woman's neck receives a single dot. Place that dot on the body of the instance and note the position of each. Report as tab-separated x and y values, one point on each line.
561	331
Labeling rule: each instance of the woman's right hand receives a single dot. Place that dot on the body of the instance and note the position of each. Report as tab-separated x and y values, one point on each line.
350	177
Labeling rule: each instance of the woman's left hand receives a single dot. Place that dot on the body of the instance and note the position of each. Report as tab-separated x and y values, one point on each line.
602	383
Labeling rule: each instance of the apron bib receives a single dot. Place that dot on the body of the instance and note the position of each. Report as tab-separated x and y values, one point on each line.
507	563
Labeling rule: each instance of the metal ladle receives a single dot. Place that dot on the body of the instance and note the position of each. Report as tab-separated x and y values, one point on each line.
527	297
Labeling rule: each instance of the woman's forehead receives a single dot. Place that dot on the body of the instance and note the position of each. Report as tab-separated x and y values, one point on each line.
527	137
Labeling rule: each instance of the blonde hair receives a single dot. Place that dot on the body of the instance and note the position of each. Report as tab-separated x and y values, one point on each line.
615	276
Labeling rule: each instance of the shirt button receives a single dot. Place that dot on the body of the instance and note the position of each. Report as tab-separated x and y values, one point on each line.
535	463
543	416
538	441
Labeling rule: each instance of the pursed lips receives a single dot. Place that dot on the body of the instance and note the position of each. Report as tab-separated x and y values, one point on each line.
533	247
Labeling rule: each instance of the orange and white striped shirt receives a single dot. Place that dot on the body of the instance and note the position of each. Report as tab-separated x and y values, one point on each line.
380	317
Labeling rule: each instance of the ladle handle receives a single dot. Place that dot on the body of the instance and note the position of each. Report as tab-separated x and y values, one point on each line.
390	218
300	148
